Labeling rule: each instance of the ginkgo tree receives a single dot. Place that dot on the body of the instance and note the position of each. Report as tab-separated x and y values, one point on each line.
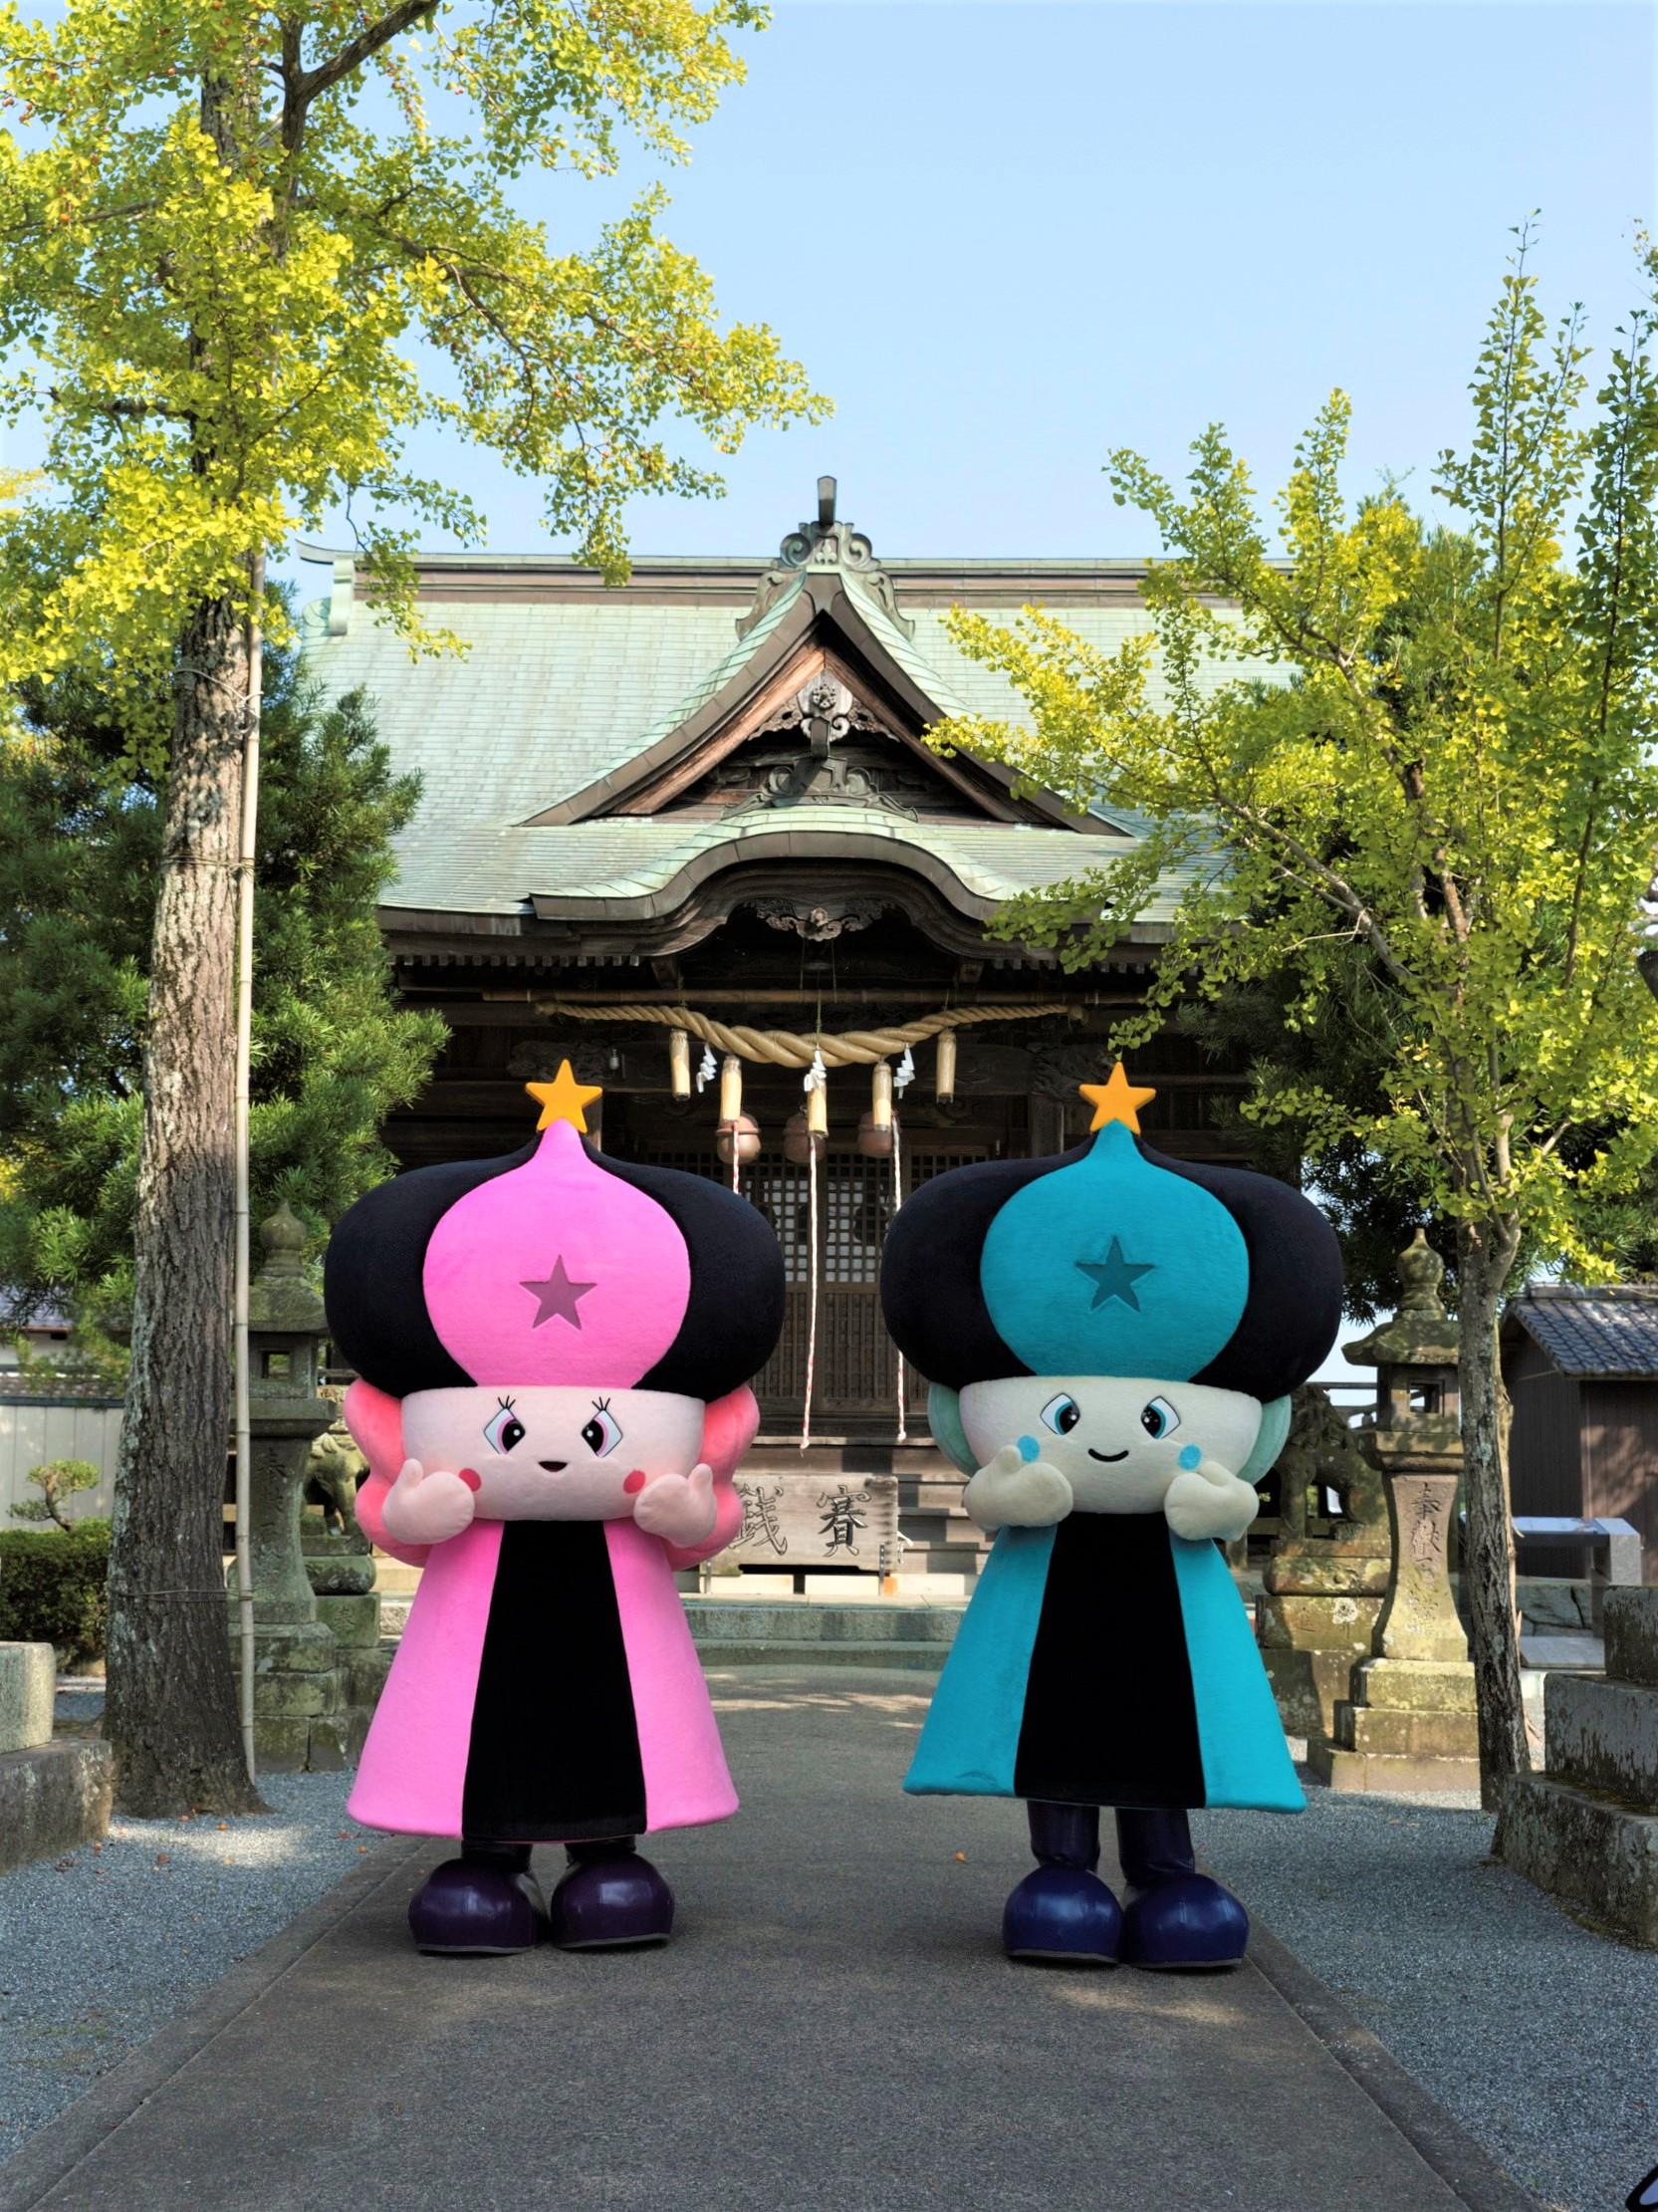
227	231
1417	811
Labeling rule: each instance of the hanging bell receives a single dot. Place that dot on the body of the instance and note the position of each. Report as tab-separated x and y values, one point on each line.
801	1140
738	1138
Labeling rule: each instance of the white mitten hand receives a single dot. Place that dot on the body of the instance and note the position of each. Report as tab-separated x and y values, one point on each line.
1013	1492
424	1508
1209	1499
679	1508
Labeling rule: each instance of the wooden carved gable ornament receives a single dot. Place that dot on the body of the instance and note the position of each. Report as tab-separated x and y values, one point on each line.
829	709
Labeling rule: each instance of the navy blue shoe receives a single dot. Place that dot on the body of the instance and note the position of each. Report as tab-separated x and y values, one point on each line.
484	1904
1064	1911
1176	1918
1064	1914
610	1900
1189	1922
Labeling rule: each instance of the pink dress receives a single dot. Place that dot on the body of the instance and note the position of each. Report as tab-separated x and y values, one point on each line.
547	1690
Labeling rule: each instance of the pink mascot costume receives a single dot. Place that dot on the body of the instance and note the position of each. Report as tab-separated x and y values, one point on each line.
553	1351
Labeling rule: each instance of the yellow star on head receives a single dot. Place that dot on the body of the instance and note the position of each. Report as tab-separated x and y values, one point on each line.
563	1097
1116	1099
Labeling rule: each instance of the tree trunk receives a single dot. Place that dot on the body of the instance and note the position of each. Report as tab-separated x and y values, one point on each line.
1486	1253
171	1714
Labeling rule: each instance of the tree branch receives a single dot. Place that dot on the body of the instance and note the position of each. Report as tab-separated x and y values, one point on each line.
302	85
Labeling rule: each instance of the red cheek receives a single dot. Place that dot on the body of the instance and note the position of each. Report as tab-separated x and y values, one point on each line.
633	1482
471	1478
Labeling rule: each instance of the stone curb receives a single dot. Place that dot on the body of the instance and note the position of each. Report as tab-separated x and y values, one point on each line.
52	2154
1441	2142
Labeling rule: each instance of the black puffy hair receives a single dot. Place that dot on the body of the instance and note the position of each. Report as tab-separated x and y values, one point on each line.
372	1278
934	1302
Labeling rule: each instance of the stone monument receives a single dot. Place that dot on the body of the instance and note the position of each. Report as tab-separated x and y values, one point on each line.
1408	1719
1326	1575
1586	1829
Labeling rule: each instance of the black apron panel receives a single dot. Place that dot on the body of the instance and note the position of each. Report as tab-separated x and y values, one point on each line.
555	1746
1111	1717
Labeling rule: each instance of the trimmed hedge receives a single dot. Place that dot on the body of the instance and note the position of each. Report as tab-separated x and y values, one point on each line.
53	1588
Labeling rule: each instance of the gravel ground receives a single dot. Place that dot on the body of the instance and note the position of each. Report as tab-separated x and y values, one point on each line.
1540	2038
101	1949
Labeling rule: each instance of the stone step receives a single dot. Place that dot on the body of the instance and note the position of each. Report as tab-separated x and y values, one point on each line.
1603	1735
1598	1857
1341	1769
1631	1622
909	1654
53	1797
1558	1653
717	1622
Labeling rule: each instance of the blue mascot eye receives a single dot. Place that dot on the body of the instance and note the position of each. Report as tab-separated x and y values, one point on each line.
504	1429
1062	1414
1159	1419
603	1433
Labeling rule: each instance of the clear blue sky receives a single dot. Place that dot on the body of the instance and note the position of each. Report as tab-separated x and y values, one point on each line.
1005	238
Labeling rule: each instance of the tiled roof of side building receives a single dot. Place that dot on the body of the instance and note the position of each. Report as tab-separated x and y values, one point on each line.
1592	1333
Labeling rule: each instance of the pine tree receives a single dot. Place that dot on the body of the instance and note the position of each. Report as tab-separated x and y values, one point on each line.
79	850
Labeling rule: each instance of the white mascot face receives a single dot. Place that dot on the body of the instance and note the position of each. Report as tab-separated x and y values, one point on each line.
1119	1442
550	1452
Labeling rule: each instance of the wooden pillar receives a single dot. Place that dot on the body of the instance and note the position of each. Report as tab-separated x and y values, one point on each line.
1046	1125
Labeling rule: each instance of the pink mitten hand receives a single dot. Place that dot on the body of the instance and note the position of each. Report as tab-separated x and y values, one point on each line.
424	1508
679	1508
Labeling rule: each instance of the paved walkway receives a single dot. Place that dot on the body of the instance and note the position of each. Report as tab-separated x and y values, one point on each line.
834	2026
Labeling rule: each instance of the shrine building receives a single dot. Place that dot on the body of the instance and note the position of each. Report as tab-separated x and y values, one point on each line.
687	833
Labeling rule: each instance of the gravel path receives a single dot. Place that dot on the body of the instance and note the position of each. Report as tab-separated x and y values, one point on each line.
109	1944
1540	2038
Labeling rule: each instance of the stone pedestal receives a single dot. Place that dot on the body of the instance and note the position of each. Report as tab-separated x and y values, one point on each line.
342	1568
1408	1720
1406	1724
1586	1829
1326	1577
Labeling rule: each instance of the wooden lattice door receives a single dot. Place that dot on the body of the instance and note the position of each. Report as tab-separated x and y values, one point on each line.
856	1367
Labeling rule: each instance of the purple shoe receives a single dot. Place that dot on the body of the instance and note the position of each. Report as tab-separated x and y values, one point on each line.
610	1898
484	1904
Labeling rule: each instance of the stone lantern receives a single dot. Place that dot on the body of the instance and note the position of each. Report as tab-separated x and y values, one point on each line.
1408	1722
297	1694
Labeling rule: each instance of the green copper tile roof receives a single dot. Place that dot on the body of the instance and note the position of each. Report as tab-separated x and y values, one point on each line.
554	693
498	871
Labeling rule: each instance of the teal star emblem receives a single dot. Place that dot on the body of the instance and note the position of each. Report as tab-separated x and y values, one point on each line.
1115	1276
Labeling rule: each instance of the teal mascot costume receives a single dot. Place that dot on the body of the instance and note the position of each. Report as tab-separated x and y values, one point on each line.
1111	1337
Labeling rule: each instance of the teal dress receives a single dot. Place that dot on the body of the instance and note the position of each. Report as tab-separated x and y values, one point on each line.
1106	1662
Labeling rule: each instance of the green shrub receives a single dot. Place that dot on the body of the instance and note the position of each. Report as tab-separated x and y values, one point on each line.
53	1588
